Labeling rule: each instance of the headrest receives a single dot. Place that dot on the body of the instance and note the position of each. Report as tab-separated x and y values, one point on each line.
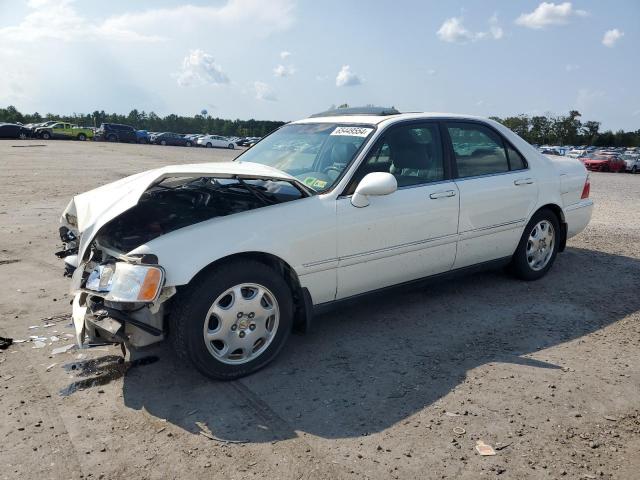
409	155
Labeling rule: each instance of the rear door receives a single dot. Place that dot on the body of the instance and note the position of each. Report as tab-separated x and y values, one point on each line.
497	189
410	233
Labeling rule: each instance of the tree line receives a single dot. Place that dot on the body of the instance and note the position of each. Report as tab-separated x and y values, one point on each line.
537	129
202	123
567	130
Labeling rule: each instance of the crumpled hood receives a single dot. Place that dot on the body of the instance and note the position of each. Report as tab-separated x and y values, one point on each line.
95	208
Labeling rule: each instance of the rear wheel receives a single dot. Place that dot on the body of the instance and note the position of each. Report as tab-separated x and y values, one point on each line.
163	142
233	320
22	136
209	145
46	135
187	144
538	246
634	169
111	138
82	137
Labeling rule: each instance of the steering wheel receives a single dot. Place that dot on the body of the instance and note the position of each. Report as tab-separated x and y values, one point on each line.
331	168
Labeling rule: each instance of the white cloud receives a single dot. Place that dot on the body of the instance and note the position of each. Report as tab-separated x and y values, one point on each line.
495	30
549	14
61	20
453	30
284	70
346	78
284	55
199	68
611	37
264	92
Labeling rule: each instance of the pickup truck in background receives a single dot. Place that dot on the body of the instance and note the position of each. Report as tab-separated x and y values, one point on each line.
63	130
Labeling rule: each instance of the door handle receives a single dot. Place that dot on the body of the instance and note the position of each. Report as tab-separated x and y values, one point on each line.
523	181
443	194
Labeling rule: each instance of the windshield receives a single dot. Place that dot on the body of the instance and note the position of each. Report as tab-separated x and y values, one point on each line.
315	153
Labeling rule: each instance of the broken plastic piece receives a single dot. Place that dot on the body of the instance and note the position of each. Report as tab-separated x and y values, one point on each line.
64	349
484	449
5	343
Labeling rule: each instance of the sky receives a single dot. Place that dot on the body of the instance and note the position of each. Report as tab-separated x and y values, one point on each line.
287	59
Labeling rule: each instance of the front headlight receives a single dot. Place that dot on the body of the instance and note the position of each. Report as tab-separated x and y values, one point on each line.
125	282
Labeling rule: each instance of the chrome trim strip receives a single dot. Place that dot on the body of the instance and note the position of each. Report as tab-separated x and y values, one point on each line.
426	243
581	204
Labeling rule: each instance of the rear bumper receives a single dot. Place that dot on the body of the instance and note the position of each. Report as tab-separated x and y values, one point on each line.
577	216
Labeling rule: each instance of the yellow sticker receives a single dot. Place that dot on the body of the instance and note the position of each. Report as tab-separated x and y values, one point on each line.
319	184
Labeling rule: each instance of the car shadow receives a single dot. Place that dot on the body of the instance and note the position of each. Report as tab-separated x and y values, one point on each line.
375	363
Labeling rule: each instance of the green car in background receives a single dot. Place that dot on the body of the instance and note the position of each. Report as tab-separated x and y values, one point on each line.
64	130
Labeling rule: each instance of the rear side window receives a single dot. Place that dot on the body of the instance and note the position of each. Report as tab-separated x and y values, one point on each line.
478	150
515	159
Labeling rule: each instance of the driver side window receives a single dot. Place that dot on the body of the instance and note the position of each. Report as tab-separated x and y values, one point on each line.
411	153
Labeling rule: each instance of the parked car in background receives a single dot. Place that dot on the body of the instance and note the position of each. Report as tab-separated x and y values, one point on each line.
13	130
224	258
631	162
169	138
215	141
603	163
576	153
116	132
64	130
142	136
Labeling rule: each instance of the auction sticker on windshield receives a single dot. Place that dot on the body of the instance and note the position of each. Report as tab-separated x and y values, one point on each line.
352	131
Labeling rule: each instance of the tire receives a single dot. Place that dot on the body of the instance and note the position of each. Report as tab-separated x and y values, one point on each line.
22	136
189	320
112	138
634	169
46	135
209	145
188	144
163	142
521	262
231	147
82	137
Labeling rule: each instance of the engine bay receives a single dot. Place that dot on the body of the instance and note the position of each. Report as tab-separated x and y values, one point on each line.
177	203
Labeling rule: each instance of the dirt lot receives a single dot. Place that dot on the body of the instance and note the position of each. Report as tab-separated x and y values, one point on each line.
548	372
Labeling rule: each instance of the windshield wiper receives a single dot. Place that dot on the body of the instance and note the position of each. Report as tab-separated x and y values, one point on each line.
256	192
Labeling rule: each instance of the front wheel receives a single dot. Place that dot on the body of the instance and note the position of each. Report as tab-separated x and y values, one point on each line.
634	169
231	147
233	320
22	136
187	144
538	247
209	145
163	142
82	137
46	135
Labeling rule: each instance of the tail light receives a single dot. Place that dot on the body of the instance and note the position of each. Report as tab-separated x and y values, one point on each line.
586	189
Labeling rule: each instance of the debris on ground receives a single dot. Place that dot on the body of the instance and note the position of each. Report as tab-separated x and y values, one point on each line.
64	349
459	430
48	369
38	344
5	343
484	449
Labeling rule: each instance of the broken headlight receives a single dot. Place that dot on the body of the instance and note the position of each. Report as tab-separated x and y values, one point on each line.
124	282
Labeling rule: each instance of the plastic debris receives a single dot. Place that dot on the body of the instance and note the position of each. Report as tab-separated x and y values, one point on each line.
38	344
50	367
64	349
611	418
459	430
5	343
484	449
451	414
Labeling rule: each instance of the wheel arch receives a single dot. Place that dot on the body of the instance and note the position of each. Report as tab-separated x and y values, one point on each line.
559	213
303	305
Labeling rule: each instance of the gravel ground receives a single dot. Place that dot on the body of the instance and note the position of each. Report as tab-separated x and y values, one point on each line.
548	373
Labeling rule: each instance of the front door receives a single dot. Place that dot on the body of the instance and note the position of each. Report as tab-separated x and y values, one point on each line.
408	234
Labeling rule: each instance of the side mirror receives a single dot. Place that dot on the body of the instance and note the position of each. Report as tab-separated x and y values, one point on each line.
373	184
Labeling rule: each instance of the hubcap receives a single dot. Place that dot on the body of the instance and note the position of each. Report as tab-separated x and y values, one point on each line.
540	245
241	323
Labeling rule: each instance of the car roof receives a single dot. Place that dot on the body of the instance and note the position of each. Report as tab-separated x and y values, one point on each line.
378	119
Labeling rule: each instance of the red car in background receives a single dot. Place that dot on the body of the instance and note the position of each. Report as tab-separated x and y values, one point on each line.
604	163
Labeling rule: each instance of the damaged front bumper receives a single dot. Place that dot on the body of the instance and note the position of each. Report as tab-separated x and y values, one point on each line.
117	298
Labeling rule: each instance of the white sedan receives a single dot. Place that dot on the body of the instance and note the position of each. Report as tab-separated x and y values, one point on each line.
215	141
225	259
